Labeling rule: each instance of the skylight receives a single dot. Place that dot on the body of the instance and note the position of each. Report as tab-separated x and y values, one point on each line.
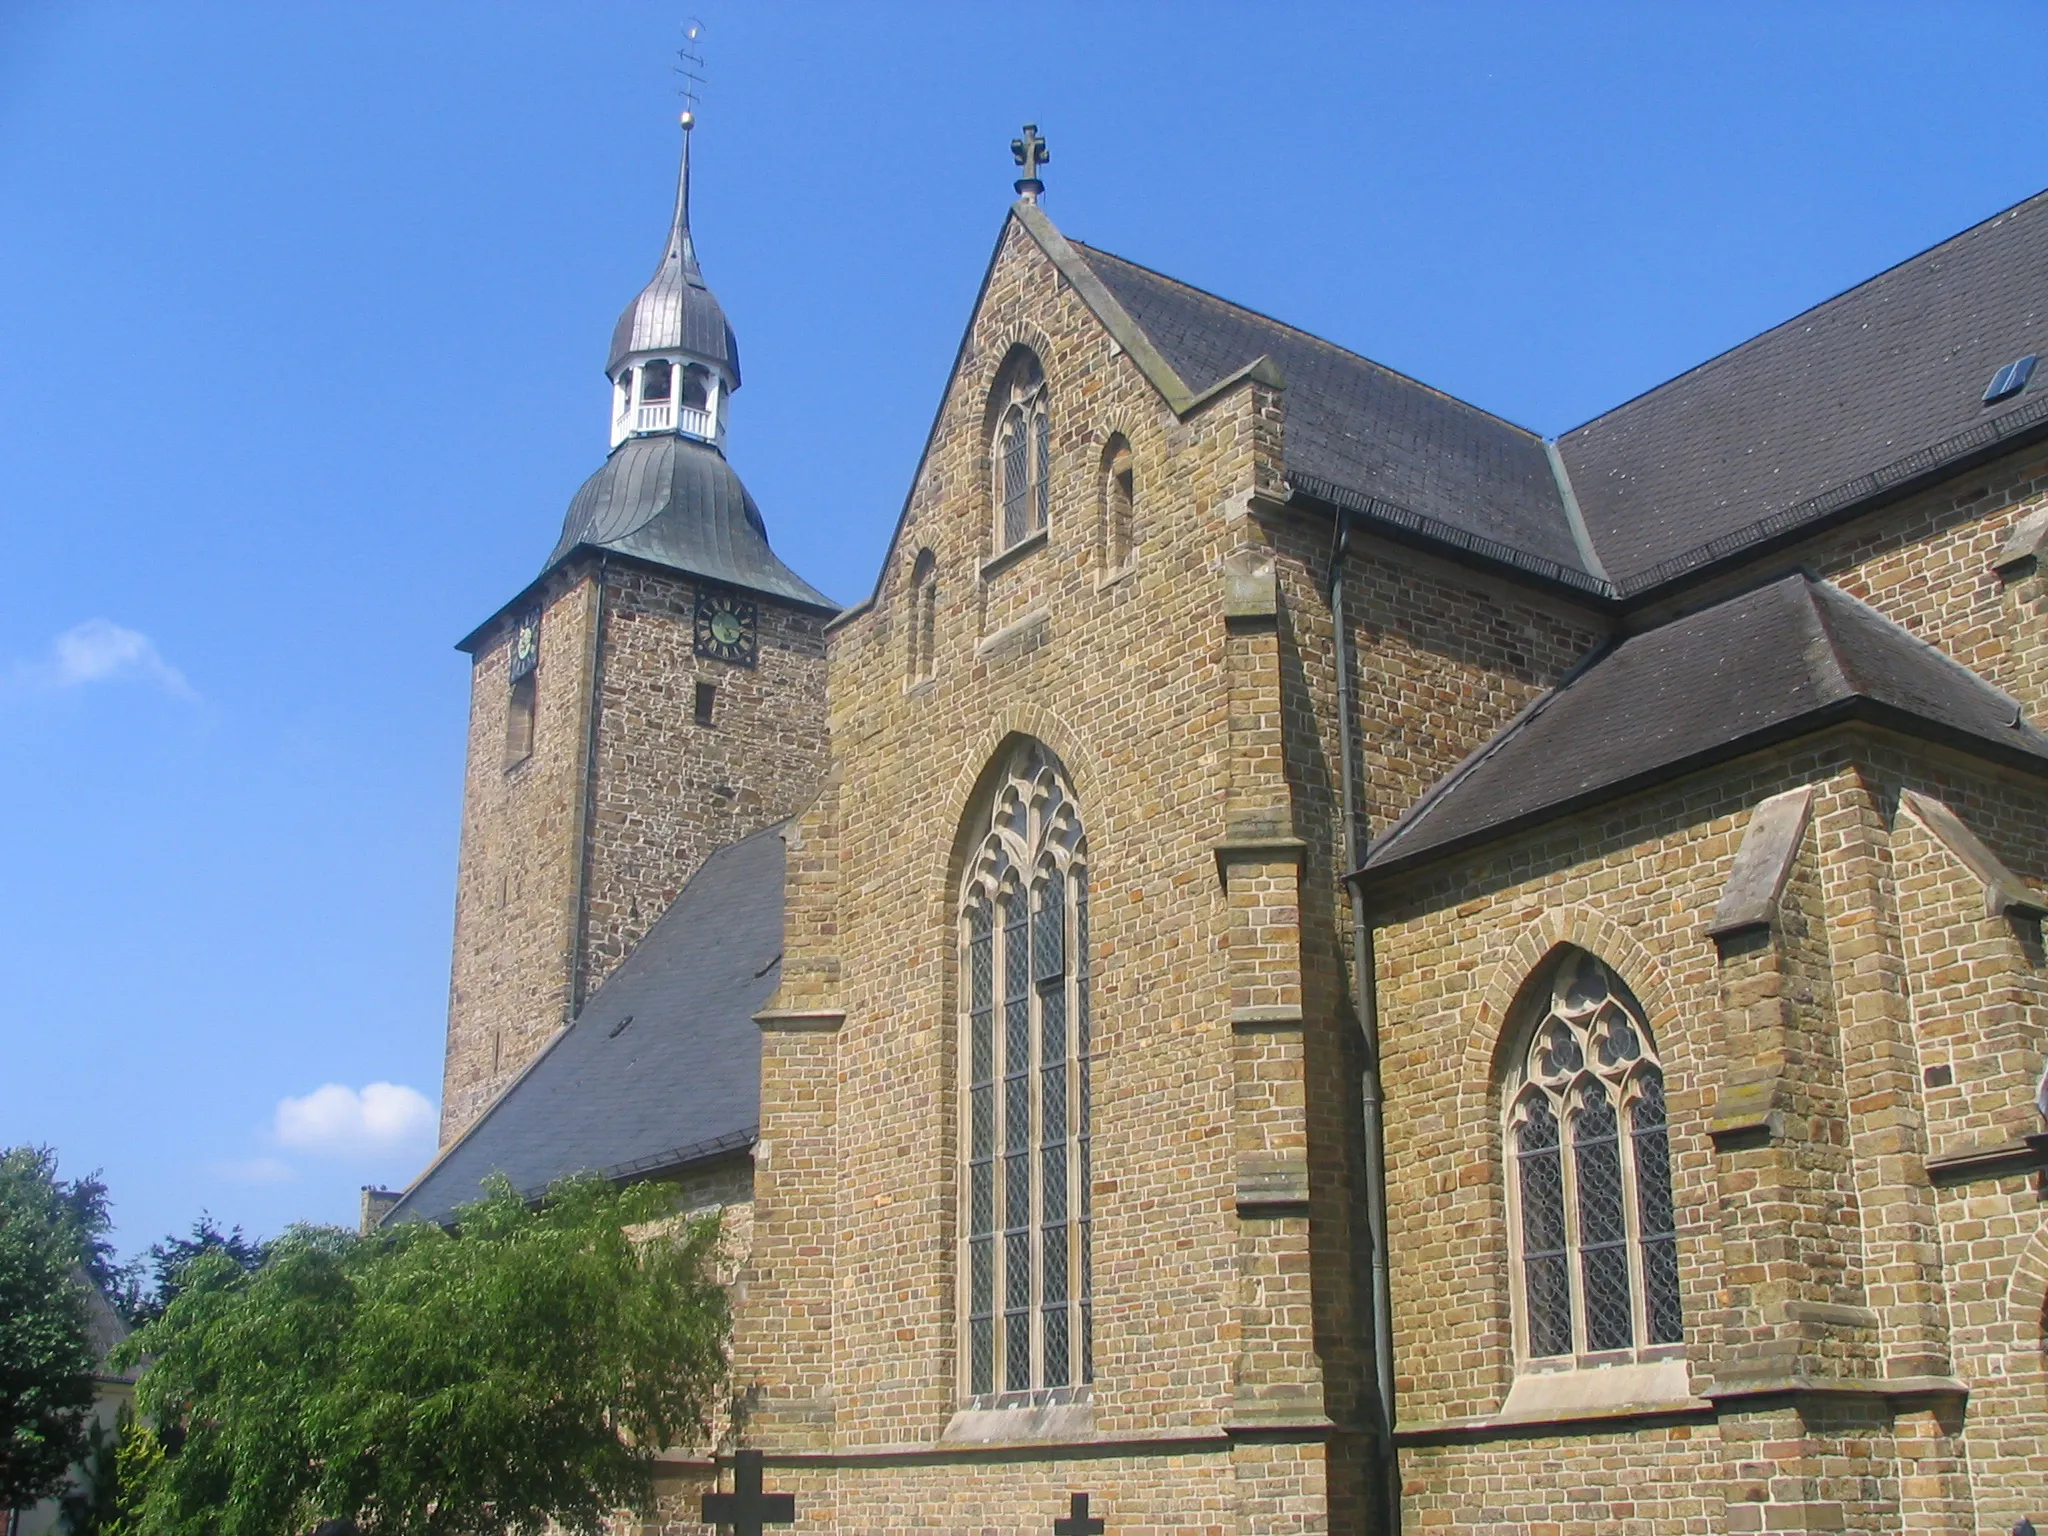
2010	380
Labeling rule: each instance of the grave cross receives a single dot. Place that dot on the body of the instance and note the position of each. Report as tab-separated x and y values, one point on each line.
746	1509
1030	152
1077	1522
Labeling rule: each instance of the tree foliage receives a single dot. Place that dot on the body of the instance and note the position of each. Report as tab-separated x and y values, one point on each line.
517	1369
166	1263
52	1237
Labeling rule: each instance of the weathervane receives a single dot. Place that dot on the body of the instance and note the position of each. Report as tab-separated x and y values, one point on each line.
690	65
1030	152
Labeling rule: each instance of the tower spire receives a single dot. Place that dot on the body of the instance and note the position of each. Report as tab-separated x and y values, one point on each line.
681	248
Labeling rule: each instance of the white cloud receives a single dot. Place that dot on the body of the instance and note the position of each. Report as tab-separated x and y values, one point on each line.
258	1170
333	1119
101	651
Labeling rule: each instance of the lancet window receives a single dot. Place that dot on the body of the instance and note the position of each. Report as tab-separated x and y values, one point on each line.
1026	1222
1590	1188
1021	453
921	619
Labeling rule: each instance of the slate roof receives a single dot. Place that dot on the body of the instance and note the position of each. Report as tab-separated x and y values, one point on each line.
679	1083
1891	369
676	502
1357	426
1772	663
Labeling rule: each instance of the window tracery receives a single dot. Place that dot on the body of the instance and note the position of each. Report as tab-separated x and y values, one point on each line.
1590	1193
1026	1226
1021	452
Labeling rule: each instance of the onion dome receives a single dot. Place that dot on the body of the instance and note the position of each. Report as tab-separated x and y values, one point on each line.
674	501
676	311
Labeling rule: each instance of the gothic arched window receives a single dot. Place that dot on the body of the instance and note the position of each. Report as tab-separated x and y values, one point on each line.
1590	1188
1025	1225
1021	452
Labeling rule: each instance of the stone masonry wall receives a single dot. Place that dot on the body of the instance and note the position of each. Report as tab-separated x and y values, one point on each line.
669	791
563	871
515	887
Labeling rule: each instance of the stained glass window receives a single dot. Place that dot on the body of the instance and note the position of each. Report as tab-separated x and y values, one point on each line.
1593	1217
1024	922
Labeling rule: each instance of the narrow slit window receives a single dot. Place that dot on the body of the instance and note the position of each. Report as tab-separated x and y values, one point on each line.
707	701
519	712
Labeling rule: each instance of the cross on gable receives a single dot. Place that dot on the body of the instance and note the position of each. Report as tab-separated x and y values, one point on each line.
1030	152
746	1509
1077	1522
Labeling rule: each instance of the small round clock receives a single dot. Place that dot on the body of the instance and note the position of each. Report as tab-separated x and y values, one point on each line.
725	627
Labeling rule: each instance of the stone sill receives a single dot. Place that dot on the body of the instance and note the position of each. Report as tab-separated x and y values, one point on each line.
2003	1161
1052	1424
995	565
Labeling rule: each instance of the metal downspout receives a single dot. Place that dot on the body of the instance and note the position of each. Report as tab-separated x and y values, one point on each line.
1366	1004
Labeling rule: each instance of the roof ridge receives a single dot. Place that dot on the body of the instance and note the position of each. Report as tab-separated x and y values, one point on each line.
1841	293
1306	335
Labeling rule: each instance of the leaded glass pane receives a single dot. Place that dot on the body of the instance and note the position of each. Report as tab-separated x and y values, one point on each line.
1653	1211
983	1096
1049	932
981	1348
1052	1027
1017	1352
982	1277
1056	1338
1053	1276
1042	478
1053	1192
1015	480
1016	1270
1017	1191
1603	1230
1052	1105
982	1211
1545	1277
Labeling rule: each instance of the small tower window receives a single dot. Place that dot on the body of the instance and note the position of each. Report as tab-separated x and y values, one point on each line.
1021	451
696	388
707	701
519	710
655	380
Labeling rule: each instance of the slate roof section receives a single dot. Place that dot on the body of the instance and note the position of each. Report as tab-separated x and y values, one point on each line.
1890	369
676	502
1356	426
679	1083
1773	663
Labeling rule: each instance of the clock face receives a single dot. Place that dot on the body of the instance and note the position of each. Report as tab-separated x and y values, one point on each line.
526	647
725	627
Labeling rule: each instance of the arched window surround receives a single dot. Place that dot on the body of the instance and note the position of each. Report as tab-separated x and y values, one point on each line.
1588	1172
1020	451
1025	1224
921	620
1116	542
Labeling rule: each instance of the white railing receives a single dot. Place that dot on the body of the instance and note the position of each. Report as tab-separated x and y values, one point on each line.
657	416
694	422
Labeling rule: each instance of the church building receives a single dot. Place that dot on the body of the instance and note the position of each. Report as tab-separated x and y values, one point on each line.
1309	959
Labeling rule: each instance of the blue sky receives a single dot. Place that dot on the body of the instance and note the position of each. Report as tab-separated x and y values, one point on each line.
302	315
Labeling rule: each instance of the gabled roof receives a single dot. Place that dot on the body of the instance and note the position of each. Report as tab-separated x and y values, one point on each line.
1773	663
1353	425
1883	377
661	1068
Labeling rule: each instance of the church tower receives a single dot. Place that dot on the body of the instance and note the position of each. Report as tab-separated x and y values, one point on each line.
656	692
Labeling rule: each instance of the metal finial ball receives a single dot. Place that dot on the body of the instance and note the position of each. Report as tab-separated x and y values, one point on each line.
688	120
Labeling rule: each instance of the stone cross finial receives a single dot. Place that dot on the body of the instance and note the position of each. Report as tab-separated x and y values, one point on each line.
746	1509
1030	152
1077	1521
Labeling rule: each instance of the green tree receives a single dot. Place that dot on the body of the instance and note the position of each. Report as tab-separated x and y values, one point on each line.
518	1368
166	1263
52	1238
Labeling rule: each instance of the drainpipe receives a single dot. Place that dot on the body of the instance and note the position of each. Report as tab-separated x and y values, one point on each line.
1366	1004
